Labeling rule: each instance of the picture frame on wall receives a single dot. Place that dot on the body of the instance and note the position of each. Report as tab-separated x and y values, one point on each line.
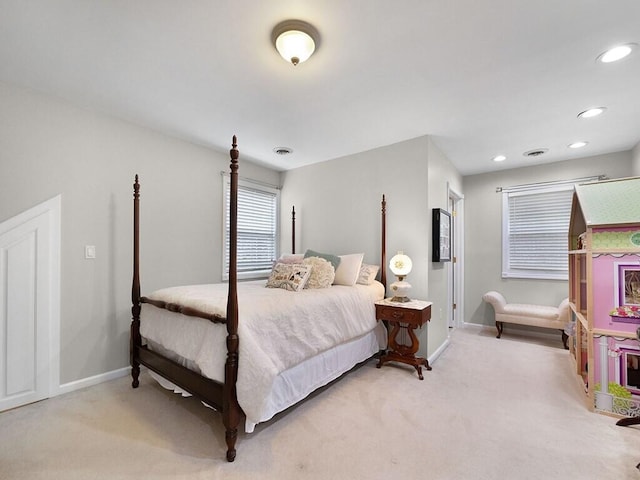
441	235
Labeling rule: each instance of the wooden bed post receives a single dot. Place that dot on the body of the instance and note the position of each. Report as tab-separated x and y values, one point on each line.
293	229
135	339
230	409
383	256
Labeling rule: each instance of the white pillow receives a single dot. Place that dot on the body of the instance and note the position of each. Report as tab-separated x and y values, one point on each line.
348	269
322	272
367	274
289	276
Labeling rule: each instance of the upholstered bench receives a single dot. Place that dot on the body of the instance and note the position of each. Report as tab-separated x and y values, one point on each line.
532	315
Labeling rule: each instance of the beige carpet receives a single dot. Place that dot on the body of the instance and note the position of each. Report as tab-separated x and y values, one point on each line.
489	409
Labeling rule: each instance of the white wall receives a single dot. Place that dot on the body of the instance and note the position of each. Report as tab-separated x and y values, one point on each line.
338	210
48	147
483	231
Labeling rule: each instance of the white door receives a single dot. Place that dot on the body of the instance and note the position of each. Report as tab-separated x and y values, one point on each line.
27	298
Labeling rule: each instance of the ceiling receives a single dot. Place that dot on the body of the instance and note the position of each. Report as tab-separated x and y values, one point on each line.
482	78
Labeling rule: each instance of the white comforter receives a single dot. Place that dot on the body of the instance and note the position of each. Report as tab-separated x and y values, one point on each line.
277	329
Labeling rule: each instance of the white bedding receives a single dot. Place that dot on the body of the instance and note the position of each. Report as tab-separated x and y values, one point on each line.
278	330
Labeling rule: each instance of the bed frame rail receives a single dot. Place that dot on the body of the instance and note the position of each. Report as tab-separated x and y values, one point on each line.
207	390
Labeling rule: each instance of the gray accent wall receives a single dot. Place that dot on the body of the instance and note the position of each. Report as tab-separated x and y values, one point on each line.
48	147
338	211
483	231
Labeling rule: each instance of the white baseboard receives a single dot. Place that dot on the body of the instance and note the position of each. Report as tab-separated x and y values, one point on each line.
434	356
91	381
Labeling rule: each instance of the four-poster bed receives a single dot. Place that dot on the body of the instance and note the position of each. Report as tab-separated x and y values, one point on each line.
172	324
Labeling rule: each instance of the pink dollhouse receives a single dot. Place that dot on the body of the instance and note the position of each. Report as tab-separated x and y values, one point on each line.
604	294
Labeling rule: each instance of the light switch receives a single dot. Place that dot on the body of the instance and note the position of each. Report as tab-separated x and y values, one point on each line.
89	251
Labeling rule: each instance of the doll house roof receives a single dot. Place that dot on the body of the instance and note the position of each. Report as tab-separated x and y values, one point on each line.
612	202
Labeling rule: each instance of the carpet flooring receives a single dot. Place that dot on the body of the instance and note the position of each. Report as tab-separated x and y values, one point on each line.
490	409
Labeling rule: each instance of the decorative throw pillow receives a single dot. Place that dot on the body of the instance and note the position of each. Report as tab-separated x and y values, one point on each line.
289	276
322	272
291	258
367	274
348	269
334	259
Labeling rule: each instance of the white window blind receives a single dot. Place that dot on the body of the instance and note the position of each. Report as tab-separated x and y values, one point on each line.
535	230
257	228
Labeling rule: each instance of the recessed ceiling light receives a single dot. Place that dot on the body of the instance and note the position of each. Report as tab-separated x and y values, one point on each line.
499	158
577	144
616	53
592	112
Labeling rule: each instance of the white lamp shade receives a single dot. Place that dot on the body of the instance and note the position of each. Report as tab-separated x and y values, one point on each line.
295	46
400	264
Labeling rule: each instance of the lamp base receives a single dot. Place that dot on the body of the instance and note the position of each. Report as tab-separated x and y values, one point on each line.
400	290
400	299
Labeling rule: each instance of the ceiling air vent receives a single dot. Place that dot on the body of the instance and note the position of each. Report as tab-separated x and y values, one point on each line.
282	150
536	152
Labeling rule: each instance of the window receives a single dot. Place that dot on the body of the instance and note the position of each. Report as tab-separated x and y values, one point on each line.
258	207
535	226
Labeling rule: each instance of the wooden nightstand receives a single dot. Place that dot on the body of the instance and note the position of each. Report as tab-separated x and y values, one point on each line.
404	316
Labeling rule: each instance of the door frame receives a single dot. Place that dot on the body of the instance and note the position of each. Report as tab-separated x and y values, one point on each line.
455	268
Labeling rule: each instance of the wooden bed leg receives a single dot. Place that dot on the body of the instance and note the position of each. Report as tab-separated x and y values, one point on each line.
499	326
135	340
231	411
231	436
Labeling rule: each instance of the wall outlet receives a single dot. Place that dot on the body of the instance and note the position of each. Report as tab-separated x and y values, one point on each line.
89	251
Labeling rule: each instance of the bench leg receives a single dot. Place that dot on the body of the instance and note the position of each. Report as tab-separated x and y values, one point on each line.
565	337
499	327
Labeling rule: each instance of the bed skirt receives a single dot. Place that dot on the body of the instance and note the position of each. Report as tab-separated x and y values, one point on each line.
298	382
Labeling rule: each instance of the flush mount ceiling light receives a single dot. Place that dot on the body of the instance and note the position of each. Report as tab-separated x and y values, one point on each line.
616	53
499	158
592	112
577	144
295	40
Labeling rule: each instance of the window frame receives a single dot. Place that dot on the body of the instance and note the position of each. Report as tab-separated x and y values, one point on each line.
245	185
544	191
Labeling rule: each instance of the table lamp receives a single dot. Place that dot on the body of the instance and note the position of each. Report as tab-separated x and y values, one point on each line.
400	265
